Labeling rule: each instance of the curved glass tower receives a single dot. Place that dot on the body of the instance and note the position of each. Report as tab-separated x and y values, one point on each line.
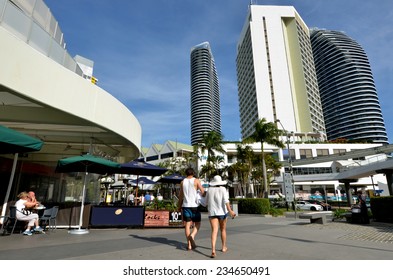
349	98
205	93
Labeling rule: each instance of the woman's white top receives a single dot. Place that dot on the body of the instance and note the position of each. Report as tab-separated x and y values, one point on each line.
217	197
190	198
20	205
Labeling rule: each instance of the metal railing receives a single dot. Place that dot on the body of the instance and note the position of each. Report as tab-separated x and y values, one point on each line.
365	162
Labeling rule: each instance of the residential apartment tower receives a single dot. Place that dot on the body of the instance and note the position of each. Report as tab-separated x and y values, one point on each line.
346	85
205	93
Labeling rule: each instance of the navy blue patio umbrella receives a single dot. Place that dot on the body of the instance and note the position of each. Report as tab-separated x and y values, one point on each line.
143	181
140	168
172	179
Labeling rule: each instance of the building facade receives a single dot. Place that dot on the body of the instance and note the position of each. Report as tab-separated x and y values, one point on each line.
316	168
205	93
275	72
45	94
346	85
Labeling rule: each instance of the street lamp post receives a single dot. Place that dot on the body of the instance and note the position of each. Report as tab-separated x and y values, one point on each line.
290	167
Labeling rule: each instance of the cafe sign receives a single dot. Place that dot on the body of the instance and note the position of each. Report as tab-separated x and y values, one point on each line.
156	218
162	218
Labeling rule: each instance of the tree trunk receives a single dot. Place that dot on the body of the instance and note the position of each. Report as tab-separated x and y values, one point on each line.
265	192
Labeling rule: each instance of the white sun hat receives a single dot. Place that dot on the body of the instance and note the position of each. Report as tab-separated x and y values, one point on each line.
217	181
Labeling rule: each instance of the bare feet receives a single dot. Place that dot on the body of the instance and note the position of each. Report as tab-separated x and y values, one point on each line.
213	255
192	241
224	249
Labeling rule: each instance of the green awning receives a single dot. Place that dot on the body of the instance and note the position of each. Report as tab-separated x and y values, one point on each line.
12	141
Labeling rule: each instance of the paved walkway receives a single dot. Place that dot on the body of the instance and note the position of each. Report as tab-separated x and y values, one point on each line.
250	237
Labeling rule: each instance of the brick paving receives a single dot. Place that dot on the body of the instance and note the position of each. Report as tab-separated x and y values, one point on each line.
374	232
251	237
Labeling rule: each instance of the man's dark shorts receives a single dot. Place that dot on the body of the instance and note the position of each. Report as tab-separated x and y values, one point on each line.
191	214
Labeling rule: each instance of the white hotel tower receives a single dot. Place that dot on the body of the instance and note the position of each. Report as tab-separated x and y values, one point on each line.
276	73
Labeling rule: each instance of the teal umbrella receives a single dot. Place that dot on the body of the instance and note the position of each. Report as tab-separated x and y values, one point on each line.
15	142
12	141
88	164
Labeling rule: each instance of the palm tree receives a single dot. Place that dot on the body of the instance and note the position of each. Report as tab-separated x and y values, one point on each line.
212	143
240	173
245	157
265	132
272	167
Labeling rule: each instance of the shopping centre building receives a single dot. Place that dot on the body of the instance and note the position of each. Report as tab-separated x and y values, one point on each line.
49	95
333	169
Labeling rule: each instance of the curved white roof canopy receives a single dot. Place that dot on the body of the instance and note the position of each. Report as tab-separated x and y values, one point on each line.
41	98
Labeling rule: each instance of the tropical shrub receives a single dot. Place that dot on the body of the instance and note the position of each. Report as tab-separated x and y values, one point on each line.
253	205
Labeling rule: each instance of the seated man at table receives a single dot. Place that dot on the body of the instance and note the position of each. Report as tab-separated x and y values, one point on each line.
23	214
31	197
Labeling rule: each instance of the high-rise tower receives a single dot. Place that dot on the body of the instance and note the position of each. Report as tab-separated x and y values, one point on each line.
205	93
276	73
348	94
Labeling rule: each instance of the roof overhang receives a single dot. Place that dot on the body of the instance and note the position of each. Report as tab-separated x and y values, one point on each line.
43	99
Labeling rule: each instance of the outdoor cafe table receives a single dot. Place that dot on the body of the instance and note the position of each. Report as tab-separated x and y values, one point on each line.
38	209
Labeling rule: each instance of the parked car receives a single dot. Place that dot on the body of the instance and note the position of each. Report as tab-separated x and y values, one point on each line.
305	205
326	206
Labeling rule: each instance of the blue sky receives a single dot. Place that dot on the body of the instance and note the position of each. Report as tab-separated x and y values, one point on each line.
141	51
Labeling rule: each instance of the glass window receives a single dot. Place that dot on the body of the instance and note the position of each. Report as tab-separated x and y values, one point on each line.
322	152
167	155
305	153
339	151
152	158
285	154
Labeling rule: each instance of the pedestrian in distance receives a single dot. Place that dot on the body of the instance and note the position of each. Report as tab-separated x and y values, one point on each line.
188	205
130	199
219	208
363	207
147	198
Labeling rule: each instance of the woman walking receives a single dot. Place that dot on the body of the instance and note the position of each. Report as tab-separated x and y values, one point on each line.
218	209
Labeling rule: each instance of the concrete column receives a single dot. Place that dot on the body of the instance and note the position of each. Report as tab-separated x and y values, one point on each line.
388	173
347	185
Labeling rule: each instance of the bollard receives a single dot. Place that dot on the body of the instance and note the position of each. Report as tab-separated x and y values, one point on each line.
234	207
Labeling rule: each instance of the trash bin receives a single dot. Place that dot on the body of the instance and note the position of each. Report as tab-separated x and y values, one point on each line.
356	215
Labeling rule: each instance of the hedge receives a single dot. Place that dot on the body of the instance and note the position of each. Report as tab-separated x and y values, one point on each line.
253	205
382	208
